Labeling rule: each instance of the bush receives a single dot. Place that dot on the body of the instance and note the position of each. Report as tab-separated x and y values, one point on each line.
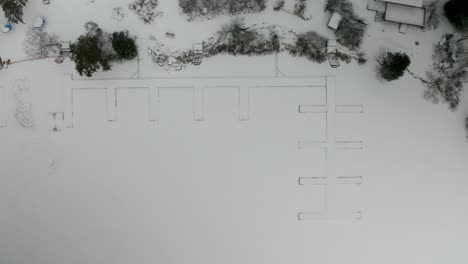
394	65
195	8
235	38
310	45
456	12
351	30
13	10
124	46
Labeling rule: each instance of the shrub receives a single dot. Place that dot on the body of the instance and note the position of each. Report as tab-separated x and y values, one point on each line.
124	46
456	12
394	65
310	45
13	10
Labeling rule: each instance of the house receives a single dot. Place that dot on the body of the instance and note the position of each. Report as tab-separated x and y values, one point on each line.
404	12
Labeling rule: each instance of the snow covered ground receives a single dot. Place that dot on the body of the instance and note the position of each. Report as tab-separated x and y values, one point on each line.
157	186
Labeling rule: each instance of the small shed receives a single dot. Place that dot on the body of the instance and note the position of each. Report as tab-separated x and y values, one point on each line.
335	21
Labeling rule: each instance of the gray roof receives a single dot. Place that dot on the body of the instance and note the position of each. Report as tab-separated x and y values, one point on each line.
405	14
416	3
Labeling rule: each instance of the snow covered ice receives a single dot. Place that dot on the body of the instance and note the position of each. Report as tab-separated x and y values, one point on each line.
241	159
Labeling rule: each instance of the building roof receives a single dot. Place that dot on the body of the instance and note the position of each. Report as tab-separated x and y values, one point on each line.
405	14
416	3
335	21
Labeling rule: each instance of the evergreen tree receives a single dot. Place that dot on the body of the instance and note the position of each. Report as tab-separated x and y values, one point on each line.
456	12
13	10
88	55
124	46
394	65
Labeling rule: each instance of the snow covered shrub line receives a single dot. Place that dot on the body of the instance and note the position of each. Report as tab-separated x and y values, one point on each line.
236	38
197	8
310	45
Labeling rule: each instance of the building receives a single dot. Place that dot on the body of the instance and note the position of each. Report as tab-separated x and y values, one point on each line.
404	12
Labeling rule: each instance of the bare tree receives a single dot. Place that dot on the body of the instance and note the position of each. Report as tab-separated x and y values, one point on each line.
39	44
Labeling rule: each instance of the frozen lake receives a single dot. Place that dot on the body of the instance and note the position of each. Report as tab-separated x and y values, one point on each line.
256	163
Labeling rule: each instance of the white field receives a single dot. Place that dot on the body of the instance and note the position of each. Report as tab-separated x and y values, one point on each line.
224	190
